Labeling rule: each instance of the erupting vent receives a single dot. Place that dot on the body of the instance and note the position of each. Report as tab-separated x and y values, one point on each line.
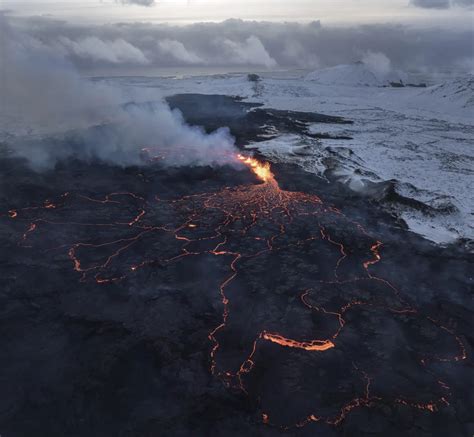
261	169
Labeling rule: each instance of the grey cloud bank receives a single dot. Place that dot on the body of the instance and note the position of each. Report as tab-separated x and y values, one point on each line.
442	4
258	44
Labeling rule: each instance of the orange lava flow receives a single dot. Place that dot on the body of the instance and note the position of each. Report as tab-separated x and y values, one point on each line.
313	345
234	226
375	251
261	169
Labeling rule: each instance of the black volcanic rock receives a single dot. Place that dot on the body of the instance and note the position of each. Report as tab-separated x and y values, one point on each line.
127	347
248	122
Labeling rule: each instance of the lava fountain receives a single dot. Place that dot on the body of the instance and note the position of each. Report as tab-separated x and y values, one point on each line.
262	170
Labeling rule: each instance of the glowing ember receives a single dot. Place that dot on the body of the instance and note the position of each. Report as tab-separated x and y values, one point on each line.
262	170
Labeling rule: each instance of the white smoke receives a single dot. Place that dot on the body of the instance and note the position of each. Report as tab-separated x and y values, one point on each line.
42	94
178	51
377	62
249	52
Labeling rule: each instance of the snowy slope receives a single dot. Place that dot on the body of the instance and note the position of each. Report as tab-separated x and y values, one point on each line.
357	74
458	92
421	140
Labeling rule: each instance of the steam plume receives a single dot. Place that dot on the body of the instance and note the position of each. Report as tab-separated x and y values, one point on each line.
42	96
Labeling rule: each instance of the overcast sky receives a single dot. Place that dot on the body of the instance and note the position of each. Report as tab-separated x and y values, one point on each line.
429	12
120	35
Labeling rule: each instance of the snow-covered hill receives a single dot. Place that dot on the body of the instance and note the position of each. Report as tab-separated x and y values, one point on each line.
357	74
458	92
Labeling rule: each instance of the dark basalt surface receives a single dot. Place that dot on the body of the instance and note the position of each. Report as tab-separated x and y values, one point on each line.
127	352
248	122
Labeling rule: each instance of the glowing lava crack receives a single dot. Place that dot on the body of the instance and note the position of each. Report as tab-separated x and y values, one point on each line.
245	225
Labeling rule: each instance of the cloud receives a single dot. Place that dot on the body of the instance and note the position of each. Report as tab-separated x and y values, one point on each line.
432	4
116	52
249	52
177	50
441	4
294	52
247	43
137	2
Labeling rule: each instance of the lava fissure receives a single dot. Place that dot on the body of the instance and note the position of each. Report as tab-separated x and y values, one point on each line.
253	221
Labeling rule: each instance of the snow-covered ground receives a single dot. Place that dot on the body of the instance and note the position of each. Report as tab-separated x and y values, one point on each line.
421	138
356	74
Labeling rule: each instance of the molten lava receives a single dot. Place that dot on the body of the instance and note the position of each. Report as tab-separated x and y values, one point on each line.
239	224
262	170
313	345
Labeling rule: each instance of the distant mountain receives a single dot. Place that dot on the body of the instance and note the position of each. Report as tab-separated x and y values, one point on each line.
356	74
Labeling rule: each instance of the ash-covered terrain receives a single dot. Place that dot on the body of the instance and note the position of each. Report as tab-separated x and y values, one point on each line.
251	298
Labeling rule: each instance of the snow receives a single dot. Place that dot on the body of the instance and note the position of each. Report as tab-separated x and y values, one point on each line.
420	138
357	74
458	93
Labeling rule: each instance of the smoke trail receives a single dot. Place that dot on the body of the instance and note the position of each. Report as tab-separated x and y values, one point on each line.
49	112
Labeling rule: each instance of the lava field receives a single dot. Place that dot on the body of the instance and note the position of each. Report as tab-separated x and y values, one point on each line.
250	299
